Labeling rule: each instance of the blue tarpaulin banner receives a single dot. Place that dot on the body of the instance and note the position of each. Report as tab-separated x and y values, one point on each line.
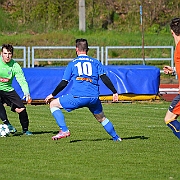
128	79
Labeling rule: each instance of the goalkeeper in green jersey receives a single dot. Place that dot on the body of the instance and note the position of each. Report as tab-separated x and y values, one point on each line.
8	70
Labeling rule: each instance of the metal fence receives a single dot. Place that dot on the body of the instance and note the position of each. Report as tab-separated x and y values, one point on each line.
102	53
170	58
23	59
57	47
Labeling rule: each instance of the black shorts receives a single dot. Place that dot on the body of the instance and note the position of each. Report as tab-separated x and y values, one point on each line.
12	99
175	105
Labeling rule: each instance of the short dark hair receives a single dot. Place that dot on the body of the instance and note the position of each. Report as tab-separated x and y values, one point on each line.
9	47
175	26
82	45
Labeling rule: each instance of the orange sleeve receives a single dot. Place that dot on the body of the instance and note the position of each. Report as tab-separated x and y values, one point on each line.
177	60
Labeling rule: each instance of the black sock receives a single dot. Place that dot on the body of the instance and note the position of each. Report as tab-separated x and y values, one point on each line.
3	114
23	117
175	126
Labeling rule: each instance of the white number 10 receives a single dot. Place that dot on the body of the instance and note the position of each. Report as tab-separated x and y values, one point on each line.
84	68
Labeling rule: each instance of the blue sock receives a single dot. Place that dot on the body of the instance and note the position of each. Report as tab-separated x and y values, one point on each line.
108	126
175	127
59	117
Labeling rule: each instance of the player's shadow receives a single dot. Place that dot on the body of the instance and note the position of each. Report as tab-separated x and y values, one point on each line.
43	132
135	137
34	133
105	139
79	140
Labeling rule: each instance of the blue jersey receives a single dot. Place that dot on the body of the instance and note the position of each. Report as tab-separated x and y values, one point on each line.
84	71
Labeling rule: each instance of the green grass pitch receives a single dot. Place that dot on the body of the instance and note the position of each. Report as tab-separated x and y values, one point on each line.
149	150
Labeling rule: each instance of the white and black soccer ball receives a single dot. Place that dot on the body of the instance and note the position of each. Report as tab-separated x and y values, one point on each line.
4	130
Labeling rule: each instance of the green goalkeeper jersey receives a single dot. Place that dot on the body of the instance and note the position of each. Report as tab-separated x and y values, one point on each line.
7	72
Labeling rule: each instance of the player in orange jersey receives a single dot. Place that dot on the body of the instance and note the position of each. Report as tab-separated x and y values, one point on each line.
174	109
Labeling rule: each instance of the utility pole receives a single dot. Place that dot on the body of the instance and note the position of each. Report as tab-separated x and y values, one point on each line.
142	31
82	18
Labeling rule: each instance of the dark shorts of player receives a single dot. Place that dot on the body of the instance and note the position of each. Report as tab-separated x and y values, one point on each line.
12	99
175	105
69	103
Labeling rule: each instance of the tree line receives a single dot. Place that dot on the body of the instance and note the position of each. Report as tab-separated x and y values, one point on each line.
122	15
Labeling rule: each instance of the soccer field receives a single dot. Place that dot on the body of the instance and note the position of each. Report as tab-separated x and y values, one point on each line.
149	150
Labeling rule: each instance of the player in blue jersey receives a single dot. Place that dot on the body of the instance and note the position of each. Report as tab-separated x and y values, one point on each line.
84	71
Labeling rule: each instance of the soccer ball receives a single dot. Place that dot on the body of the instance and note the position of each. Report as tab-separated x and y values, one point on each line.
4	130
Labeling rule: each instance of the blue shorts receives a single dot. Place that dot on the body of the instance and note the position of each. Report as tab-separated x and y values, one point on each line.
69	103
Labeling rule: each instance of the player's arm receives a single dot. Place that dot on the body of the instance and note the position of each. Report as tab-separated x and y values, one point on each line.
177	63
110	85
19	74
59	88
